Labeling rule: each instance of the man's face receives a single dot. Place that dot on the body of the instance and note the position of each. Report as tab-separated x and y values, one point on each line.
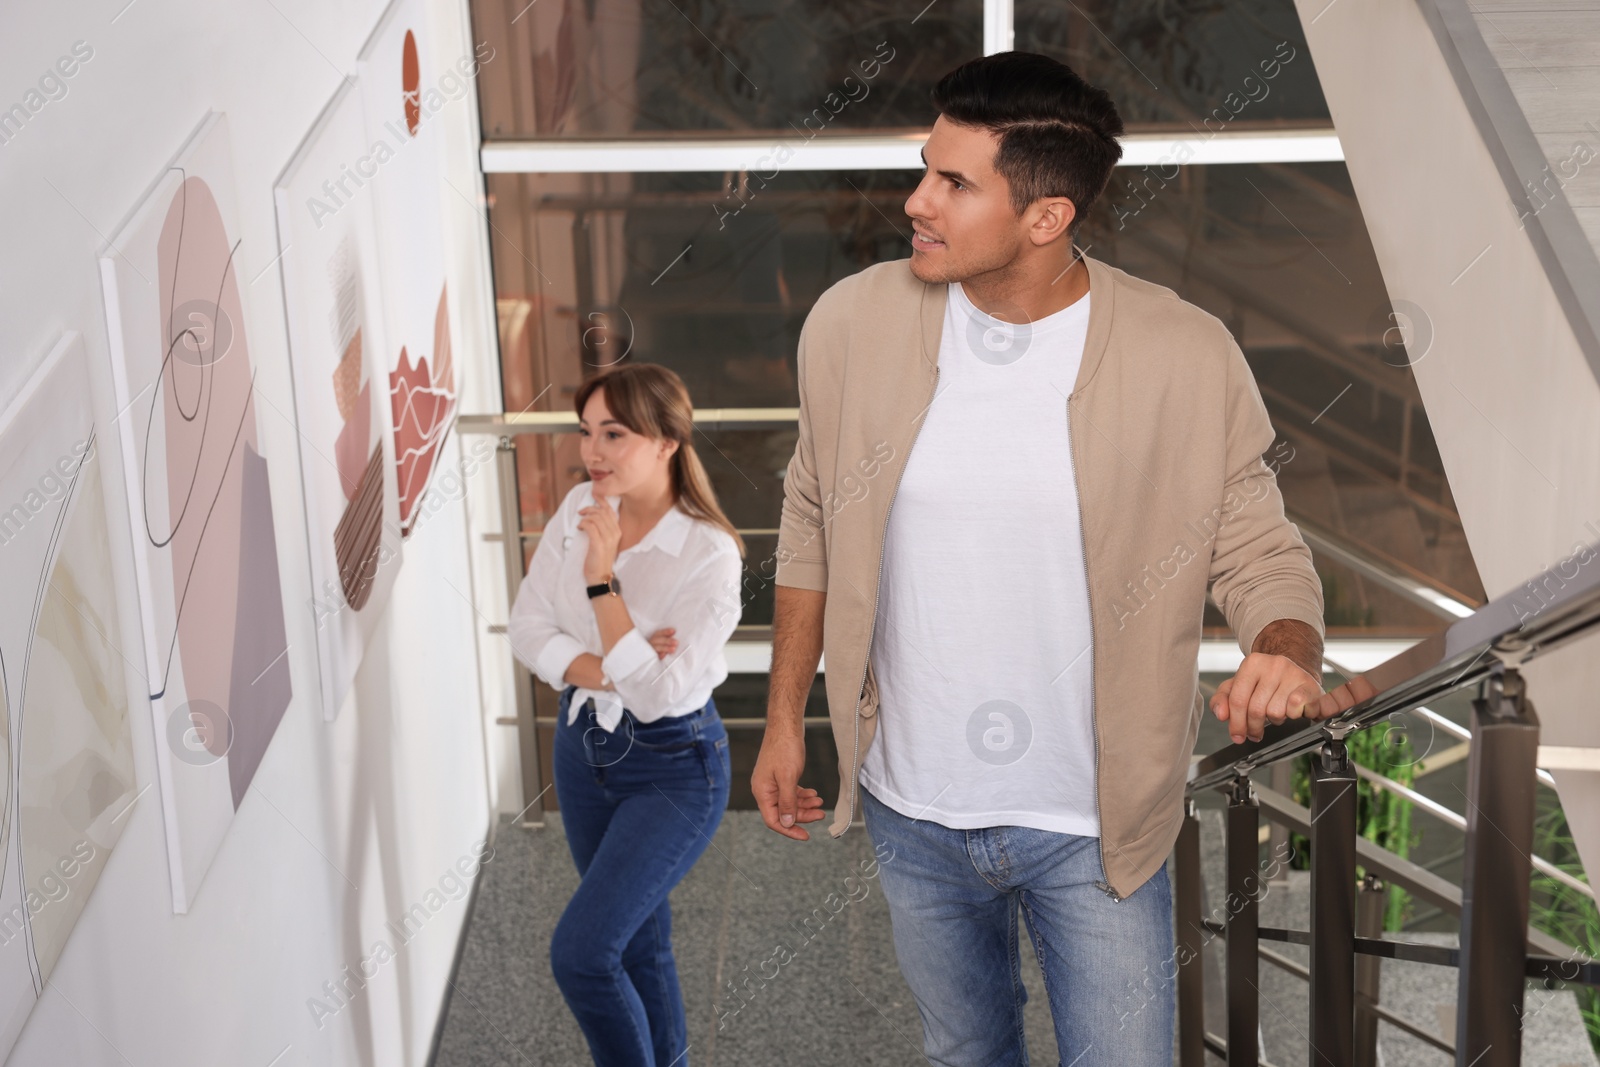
961	210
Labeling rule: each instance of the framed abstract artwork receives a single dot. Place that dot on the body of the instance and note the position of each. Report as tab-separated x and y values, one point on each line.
408	189
64	699
199	496
328	255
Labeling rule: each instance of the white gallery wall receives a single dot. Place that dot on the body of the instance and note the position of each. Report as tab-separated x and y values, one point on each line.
353	821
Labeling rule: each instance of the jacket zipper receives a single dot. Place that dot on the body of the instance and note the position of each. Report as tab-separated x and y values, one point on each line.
877	593
1094	718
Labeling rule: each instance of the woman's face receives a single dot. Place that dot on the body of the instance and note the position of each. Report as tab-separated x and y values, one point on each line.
619	460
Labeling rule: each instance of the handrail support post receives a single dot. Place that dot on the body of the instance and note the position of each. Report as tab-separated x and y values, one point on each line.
1244	887
1333	907
1370	902
1191	941
1501	803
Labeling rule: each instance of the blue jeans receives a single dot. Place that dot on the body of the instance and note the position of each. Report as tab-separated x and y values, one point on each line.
1109	966
639	807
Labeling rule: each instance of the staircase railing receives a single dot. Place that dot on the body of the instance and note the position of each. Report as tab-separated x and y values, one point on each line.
1498	951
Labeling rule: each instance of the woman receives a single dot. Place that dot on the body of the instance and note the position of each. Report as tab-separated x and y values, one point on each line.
640	754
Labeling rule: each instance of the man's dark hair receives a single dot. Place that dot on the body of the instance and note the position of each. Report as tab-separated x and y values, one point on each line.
1058	134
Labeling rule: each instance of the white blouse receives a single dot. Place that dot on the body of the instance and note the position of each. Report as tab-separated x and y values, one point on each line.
685	573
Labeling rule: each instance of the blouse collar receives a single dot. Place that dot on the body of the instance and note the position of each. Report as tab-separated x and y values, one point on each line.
669	532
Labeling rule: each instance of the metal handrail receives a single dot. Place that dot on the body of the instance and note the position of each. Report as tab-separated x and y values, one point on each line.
1506	632
1486	648
1414	878
1422	590
1449	815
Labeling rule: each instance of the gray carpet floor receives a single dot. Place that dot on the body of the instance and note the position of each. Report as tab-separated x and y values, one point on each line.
842	1000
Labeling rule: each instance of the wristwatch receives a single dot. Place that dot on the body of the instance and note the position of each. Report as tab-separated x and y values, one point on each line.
610	585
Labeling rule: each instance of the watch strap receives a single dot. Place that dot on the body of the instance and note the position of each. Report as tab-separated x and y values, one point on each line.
610	585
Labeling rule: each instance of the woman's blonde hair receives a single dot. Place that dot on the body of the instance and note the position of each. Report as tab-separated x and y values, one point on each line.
652	400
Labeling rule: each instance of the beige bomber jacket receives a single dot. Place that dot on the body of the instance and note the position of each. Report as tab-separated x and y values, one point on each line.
1175	490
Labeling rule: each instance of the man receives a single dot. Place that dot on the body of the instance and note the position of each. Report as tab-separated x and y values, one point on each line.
1014	604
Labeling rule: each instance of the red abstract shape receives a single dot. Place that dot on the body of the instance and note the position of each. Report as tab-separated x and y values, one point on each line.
422	412
410	82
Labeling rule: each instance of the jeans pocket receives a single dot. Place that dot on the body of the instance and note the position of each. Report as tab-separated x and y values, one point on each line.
668	735
718	764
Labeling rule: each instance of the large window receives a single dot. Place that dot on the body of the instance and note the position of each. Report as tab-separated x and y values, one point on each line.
715	281
1176	65
687	270
649	68
638	211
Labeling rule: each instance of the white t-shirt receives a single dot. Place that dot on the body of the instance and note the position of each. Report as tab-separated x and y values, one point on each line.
982	644
684	573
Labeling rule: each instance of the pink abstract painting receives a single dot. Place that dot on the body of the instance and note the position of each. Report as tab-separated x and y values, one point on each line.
409	196
329	264
199	497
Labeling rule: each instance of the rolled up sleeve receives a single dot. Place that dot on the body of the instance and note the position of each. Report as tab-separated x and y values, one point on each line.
557	656
632	651
536	638
704	613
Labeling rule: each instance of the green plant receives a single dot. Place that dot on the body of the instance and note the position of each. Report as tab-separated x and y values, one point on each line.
1382	817
1560	910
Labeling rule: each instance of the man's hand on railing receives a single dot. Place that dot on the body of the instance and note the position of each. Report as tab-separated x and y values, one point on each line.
1345	696
1273	684
1267	688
